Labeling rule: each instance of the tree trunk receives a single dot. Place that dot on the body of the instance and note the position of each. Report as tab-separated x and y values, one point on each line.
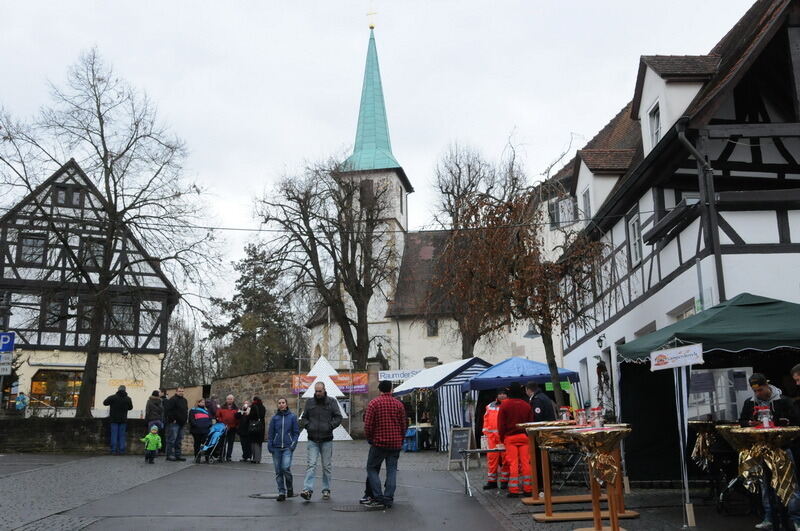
468	346
361	352
550	354
86	397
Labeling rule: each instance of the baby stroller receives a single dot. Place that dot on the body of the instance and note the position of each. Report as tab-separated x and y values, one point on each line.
213	445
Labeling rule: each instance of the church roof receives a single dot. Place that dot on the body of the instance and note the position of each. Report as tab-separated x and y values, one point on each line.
417	270
373	149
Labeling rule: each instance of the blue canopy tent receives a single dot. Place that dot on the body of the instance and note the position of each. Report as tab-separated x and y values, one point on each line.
519	370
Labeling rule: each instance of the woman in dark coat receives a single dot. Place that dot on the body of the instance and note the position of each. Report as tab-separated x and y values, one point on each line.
256	421
244	436
199	423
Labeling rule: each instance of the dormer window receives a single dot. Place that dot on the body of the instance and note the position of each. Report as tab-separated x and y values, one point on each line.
655	125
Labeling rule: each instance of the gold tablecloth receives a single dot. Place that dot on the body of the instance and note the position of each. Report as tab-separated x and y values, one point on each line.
765	448
598	443
701	453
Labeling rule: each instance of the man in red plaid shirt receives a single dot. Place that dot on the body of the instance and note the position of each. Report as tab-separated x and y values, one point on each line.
385	426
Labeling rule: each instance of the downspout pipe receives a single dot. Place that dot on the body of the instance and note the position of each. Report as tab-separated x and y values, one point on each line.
706	184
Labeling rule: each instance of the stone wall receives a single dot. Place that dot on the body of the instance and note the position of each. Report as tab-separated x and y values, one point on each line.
65	435
271	385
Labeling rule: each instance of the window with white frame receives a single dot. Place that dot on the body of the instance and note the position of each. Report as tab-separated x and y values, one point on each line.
655	125
586	201
634	239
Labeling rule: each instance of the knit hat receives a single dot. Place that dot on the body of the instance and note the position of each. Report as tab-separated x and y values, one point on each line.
154	428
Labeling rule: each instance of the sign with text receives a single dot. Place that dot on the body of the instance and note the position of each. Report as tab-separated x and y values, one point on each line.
6	358
359	383
400	375
676	357
5	370
7	341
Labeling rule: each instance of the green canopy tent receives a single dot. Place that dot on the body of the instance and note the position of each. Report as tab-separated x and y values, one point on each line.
747	330
745	322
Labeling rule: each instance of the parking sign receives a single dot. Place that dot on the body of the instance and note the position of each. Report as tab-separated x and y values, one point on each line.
7	341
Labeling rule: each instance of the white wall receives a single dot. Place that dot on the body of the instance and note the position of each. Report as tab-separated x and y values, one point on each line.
673	98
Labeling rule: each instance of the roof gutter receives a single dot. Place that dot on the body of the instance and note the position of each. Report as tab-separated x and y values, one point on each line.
705	178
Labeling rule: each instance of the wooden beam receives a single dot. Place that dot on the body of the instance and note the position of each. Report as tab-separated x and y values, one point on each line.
758	199
794	54
753	130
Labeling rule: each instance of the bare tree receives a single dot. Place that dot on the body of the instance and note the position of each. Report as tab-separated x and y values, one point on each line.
135	165
333	240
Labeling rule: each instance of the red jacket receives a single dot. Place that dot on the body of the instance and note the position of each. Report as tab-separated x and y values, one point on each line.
227	416
513	411
385	422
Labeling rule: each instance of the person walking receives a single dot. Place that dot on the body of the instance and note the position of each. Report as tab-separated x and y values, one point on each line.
319	418
177	413
244	436
256	428
385	425
118	406
496	464
513	411
200	421
154	412
282	436
152	442
227	415
543	408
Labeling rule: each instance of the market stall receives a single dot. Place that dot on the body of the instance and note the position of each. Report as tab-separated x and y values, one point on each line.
446	381
520	370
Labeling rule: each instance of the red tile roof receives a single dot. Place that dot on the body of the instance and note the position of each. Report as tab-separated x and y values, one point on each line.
615	161
682	66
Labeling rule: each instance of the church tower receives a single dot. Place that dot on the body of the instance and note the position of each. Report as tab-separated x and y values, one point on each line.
372	157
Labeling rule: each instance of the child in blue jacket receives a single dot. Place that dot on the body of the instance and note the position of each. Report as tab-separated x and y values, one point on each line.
281	442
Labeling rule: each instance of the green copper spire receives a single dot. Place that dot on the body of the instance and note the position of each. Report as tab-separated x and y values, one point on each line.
372	150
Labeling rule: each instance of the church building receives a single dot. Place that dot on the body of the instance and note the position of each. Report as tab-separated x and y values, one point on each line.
400	330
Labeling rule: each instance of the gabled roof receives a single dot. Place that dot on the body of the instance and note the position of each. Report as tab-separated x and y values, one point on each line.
417	271
608	161
373	149
673	68
79	175
735	52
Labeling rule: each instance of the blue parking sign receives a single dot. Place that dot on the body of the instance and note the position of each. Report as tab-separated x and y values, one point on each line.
7	341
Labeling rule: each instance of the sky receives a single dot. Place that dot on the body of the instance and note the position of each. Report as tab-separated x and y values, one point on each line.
257	88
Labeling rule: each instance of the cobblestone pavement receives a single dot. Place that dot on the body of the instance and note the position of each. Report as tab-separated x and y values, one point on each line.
106	492
660	509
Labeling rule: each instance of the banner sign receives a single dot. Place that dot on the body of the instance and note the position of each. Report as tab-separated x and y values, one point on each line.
400	375
676	357
358	384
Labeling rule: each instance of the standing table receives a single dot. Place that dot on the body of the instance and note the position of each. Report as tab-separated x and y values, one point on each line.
600	446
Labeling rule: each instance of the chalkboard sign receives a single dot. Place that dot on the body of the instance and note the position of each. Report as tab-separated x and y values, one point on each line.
459	440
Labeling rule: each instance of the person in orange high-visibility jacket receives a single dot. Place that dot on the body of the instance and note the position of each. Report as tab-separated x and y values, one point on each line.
513	411
496	463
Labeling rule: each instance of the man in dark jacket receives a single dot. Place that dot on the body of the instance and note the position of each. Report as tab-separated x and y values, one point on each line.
320	417
385	426
118	406
543	408
783	414
176	413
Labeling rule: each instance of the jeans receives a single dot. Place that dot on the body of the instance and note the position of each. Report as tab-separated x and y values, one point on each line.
768	498
315	451
118	432
174	439
376	457
282	459
230	440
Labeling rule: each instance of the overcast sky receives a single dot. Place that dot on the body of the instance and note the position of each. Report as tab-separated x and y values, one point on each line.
256	88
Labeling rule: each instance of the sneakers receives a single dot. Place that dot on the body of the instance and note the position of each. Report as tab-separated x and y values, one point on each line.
306	494
375	504
490	485
281	497
326	494
766	524
365	500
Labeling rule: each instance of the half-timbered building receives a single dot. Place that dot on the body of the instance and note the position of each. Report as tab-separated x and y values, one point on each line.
694	190
54	249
